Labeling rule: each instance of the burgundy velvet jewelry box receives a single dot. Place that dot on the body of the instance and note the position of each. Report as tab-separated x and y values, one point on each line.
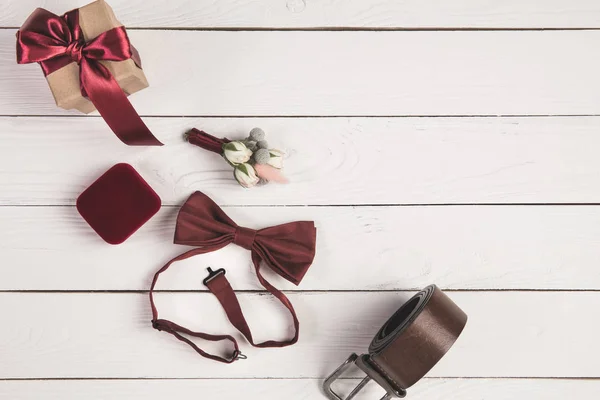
118	203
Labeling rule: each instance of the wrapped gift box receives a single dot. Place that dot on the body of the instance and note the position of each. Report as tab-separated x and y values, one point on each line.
95	18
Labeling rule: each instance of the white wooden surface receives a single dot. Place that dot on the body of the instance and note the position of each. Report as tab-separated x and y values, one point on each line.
359	248
332	161
86	335
432	142
345	73
293	389
374	14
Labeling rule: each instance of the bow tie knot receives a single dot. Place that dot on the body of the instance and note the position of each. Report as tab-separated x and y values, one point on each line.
244	237
75	50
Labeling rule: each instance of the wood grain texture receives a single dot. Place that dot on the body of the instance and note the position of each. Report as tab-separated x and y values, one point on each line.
292	389
331	13
208	73
509	334
365	248
343	161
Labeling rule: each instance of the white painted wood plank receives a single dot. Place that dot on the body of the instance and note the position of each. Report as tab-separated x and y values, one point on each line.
509	334
293	389
330	13
331	160
380	248
344	73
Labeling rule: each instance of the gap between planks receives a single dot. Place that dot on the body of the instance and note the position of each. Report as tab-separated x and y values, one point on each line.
269	378
344	29
299	291
396	116
365	205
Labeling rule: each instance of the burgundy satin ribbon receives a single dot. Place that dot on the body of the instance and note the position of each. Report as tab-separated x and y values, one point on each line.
55	42
288	249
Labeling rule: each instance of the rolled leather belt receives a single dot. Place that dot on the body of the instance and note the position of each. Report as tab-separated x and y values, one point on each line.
408	345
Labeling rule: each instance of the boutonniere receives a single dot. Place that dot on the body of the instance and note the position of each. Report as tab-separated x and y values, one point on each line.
252	160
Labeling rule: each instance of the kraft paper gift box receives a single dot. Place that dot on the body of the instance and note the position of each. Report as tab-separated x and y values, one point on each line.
94	18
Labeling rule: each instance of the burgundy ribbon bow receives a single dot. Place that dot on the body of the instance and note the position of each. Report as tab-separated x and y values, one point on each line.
55	42
289	250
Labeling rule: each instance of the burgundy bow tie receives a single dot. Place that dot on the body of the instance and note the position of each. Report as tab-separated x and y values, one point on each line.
289	250
55	42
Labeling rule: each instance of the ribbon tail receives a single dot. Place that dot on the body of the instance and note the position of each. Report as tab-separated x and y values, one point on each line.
111	102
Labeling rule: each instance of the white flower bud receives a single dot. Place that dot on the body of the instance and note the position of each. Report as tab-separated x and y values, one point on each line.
276	159
246	175
236	153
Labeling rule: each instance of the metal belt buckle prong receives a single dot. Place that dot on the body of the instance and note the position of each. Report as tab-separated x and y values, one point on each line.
363	363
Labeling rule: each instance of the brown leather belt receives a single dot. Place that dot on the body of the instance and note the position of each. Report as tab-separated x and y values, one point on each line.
408	345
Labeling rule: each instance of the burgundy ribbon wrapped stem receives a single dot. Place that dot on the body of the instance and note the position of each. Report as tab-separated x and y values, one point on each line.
55	42
288	249
206	141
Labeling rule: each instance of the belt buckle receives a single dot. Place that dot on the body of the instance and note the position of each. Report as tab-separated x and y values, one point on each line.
363	363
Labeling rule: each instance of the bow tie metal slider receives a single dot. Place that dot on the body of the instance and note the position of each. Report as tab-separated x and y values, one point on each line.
213	274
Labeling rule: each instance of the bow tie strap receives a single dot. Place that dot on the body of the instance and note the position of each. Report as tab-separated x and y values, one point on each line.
218	284
220	287
163	325
177	331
